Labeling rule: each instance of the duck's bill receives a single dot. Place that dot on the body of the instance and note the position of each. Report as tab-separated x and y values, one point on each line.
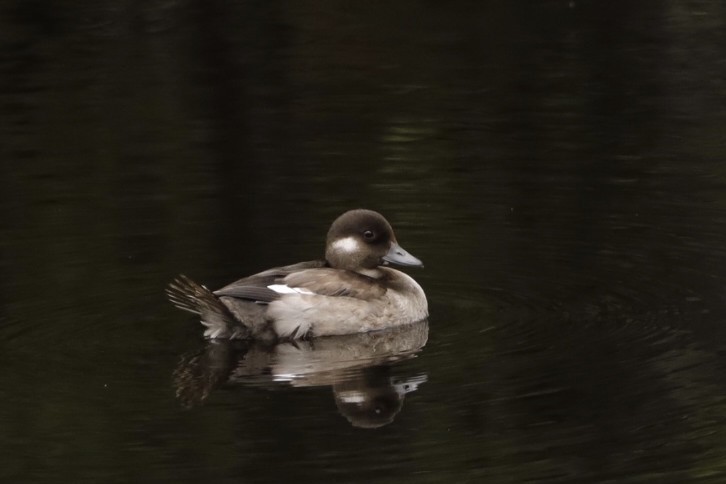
397	255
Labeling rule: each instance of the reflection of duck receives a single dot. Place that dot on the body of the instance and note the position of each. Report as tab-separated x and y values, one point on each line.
360	368
348	292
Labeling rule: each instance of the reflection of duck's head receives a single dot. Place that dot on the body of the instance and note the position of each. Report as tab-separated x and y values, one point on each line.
373	398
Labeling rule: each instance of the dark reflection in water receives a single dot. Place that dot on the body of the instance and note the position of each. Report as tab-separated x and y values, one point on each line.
358	367
559	165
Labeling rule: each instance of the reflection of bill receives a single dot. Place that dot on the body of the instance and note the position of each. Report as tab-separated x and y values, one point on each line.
360	368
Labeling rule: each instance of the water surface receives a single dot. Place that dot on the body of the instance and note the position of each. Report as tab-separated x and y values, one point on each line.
558	166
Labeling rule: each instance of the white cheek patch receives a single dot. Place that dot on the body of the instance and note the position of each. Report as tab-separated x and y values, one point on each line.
283	289
348	244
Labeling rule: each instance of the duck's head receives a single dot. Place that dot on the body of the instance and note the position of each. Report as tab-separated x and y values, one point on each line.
363	239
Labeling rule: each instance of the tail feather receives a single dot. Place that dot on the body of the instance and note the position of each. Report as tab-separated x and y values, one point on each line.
187	295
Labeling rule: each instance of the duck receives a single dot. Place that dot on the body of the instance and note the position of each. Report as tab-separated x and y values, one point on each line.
352	289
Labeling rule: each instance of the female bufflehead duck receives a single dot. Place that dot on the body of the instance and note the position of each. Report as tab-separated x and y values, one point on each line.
350	291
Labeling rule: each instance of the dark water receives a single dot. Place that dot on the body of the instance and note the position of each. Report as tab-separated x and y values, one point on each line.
559	167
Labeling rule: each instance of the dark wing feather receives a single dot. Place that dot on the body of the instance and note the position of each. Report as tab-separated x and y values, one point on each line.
334	282
254	288
253	293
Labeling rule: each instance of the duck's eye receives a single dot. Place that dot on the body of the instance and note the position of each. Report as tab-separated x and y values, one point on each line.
369	235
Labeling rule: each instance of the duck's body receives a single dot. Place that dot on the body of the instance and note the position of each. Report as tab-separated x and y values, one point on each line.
347	292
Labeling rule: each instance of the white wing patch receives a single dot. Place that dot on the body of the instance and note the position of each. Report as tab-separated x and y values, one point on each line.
348	245
284	289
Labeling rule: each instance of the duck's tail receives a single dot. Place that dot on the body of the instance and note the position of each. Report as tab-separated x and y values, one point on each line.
187	295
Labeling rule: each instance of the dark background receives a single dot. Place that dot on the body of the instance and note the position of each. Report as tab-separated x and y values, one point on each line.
559	167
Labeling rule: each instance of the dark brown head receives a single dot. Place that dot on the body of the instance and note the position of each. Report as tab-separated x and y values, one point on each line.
363	239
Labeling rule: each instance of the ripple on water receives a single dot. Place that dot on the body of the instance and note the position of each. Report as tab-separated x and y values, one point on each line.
616	374
558	389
